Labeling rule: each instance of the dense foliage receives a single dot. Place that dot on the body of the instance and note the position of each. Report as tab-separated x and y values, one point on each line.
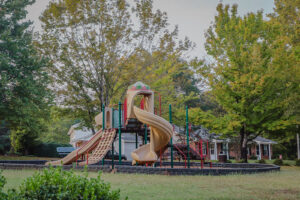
298	162
99	48
55	184
278	162
24	97
254	76
95	49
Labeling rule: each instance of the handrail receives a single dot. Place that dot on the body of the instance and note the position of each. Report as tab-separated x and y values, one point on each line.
201	156
194	149
182	154
89	149
90	139
99	132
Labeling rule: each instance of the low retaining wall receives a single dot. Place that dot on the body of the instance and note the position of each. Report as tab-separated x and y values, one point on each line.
218	168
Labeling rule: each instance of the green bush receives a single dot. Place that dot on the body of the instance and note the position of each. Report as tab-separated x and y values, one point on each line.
298	162
55	183
262	161
253	157
47	149
278	162
2	183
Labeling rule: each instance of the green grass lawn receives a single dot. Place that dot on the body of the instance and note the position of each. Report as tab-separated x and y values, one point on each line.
277	185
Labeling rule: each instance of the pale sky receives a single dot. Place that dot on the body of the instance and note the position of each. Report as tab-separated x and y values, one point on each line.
193	17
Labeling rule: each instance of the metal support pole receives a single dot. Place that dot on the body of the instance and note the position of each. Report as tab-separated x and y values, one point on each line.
136	140
112	145
146	133
187	136
103	124
120	142
171	141
103	117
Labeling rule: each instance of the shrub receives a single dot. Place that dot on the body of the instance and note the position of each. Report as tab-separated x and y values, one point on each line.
278	162
262	161
253	157
47	149
2	183
55	183
298	162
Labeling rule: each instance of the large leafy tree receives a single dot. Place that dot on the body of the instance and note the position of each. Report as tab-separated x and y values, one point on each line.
98	48
24	96
253	77
58	125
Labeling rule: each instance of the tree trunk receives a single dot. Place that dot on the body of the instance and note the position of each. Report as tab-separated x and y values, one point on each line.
243	145
91	121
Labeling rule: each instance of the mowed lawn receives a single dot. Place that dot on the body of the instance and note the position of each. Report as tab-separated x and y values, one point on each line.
277	185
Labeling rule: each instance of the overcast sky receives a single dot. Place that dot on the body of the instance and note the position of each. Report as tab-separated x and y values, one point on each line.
192	16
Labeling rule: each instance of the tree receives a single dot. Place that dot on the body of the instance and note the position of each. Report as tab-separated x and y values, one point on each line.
58	126
97	51
24	97
253	77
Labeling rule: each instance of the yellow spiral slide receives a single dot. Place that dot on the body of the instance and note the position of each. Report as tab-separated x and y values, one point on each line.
160	134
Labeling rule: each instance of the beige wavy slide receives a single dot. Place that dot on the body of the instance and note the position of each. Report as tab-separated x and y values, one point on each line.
71	157
161	132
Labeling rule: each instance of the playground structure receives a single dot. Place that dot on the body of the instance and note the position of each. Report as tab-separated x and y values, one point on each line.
142	120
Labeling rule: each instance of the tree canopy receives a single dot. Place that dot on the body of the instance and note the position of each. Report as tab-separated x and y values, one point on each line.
24	96
99	48
254	76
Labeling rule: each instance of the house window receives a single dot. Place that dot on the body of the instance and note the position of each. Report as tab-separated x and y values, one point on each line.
265	151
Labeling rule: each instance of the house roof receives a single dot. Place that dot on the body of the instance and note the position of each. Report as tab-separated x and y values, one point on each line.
260	139
80	134
203	133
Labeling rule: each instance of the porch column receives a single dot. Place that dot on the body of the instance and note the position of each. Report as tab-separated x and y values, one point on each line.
227	151
270	157
216	151
259	147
